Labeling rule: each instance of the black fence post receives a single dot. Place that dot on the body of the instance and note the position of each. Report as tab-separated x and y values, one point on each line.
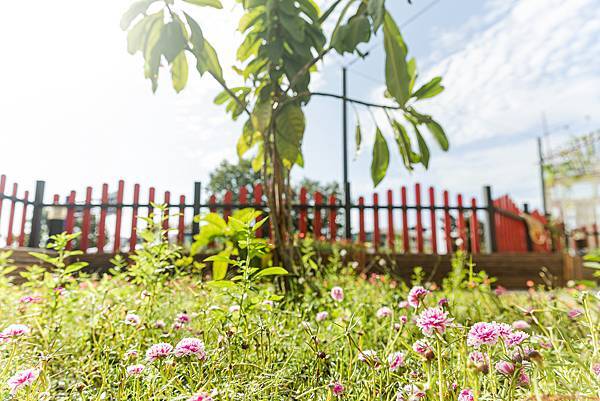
347	211
36	219
197	200
526	226
491	217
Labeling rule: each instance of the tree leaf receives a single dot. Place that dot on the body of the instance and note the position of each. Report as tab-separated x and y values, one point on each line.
290	132
72	268
381	158
346	37
220	263
271	271
210	3
172	40
430	89
423	148
207	61
261	115
438	133
376	9
197	38
179	72
397	77
358	135
137	8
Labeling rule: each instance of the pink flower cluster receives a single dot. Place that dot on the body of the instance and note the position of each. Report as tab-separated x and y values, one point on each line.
466	395
416	295
337	388
200	397
384	311
134	370
190	347
395	361
158	351
433	320
21	379
30	299
337	293
484	333
13	331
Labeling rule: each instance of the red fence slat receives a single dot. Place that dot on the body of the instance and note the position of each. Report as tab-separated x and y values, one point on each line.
11	216
447	223
165	214
118	216
405	238
70	221
243	196
432	221
332	216
390	223
362	236
181	221
134	218
376	232
317	222
102	221
419	226
86	221
227	200
23	219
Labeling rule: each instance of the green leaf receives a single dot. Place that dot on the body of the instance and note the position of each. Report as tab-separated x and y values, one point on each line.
153	50
438	133
376	9
358	135
381	158
210	3
172	40
290	131
220	263
75	267
261	115
197	38
247	139
423	148
216	220
207	61
137	8
44	257
271	271
397	77
250	18
221	284
259	159
430	89
346	37
179	72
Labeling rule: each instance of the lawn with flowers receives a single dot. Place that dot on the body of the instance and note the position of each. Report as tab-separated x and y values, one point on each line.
158	330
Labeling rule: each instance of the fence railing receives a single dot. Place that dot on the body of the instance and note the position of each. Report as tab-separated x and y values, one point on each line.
430	222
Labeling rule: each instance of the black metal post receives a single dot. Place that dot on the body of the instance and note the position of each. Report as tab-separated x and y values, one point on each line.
543	182
347	227
197	200
36	219
491	217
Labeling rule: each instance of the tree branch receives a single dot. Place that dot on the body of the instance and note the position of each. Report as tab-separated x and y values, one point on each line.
361	102
224	85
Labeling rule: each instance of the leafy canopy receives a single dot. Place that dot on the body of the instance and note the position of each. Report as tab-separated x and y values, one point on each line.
283	42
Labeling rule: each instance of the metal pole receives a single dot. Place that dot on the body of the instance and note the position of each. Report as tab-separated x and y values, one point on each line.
36	218
543	182
197	199
492	245
347	227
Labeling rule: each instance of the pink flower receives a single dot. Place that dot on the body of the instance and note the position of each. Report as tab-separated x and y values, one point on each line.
482	333
234	308
396	360
337	293
190	346
158	351
443	302
268	302
382	312
421	347
15	330
159	324
524	378
466	395
30	299
21	379
200	397
321	316
480	361
183	318
415	295
337	388
506	368
596	369
574	313
515	338
520	325
500	290
403	319
413	392
503	329
131	354
403	304
369	356
132	319
134	370
433	320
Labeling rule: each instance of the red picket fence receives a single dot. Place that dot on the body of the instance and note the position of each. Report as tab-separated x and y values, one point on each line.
108	222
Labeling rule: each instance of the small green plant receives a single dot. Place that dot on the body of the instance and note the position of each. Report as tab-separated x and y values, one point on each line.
592	261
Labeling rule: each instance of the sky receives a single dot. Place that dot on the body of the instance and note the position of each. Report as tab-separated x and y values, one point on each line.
76	110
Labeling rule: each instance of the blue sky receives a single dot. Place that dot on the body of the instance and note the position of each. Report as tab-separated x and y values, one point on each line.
77	111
